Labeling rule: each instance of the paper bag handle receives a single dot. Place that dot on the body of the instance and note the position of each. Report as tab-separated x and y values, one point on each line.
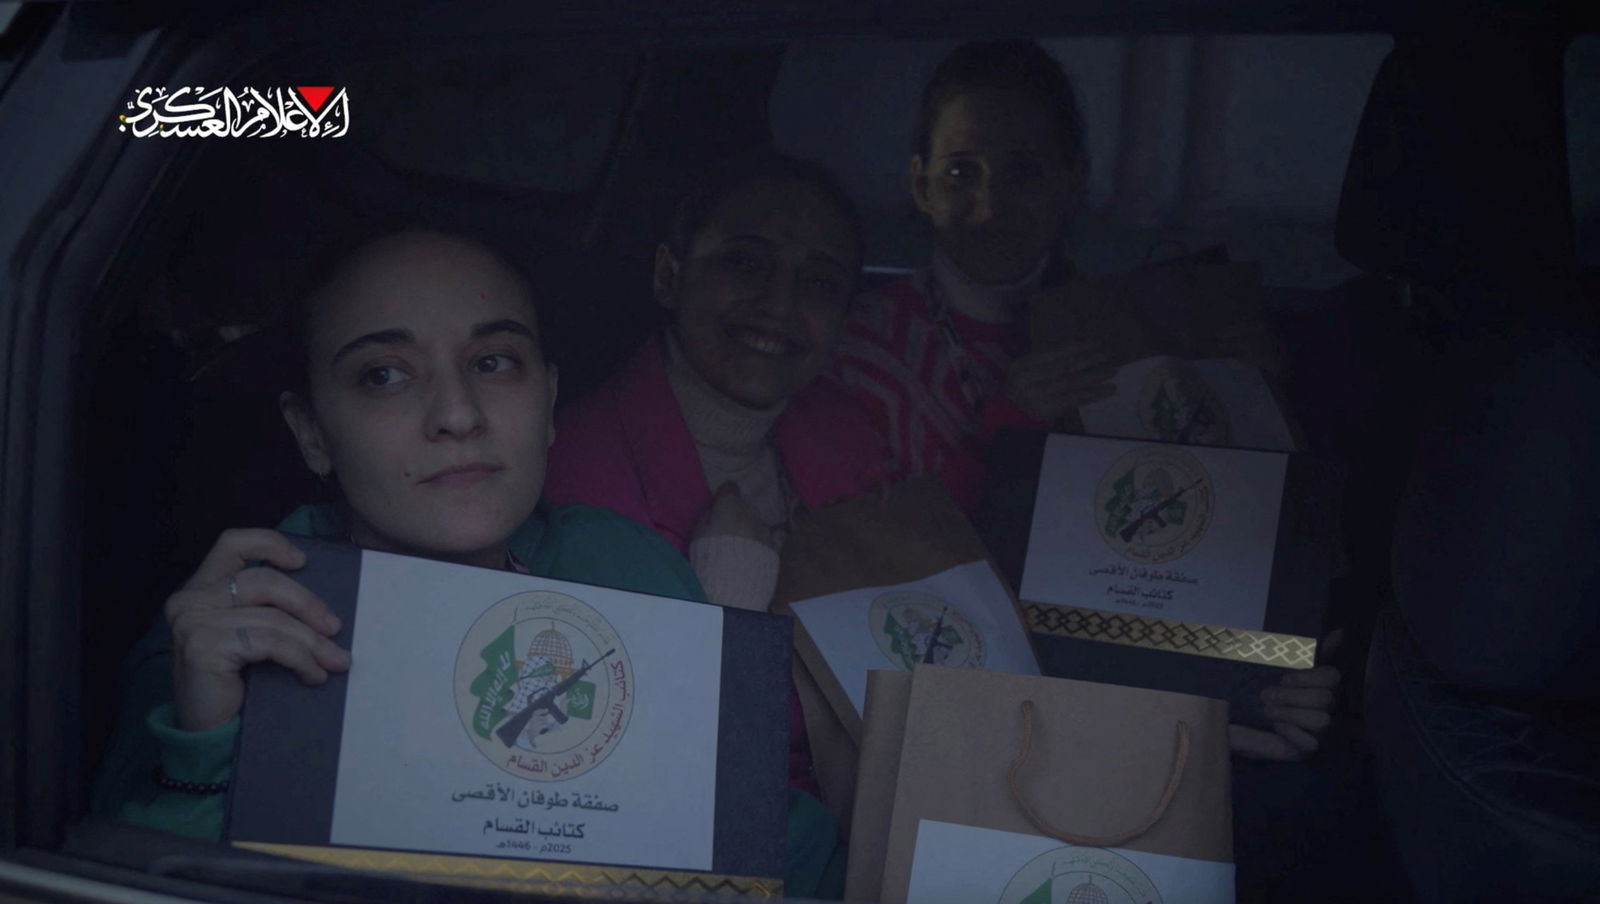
1174	778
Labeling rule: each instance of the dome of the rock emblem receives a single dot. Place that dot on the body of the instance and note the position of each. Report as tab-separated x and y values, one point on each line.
555	646
1087	893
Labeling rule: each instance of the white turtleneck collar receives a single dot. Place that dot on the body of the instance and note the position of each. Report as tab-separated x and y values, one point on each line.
714	419
733	444
985	303
731	439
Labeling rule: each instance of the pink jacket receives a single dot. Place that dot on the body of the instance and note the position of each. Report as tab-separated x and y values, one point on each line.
626	447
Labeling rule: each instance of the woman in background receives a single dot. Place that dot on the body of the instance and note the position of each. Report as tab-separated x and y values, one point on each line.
999	167
719	426
940	359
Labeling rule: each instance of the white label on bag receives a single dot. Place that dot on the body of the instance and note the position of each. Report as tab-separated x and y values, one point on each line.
1215	402
956	864
961	617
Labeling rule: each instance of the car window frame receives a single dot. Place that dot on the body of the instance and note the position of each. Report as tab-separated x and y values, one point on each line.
56	270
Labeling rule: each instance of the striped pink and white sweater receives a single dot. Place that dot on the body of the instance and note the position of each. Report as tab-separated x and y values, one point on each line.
904	374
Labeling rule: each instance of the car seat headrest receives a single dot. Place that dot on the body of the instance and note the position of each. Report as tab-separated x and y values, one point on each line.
1458	170
1495	571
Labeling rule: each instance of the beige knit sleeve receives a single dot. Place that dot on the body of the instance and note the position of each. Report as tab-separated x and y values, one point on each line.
735	571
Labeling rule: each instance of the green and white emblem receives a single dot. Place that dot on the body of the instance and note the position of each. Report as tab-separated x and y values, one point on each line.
1153	504
544	686
912	627
1177	405
1080	875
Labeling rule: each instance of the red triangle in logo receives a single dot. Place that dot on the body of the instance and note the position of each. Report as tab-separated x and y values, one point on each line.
314	96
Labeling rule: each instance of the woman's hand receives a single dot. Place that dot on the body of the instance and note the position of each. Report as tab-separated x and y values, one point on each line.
229	615
1299	708
731	516
734	553
1048	384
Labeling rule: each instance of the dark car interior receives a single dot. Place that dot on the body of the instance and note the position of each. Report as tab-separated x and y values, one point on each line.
1445	349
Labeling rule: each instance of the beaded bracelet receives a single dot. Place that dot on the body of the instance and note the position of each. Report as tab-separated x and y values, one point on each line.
172	784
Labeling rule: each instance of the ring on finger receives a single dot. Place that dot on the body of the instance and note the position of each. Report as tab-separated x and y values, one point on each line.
233	590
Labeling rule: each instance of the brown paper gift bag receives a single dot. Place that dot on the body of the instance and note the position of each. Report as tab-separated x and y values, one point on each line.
879	766
1092	765
901	533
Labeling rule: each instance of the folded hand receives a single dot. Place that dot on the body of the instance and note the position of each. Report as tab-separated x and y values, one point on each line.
1300	709
731	515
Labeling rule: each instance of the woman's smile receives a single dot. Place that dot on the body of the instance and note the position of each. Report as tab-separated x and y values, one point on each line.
762	290
765	342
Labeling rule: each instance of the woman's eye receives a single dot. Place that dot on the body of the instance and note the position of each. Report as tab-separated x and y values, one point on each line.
495	364
383	375
961	172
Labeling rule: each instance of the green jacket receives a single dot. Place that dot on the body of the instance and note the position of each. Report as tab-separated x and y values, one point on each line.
571	543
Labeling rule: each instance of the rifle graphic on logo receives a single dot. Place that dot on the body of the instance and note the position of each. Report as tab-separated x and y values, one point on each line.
512	727
1200	421
935	641
1154	513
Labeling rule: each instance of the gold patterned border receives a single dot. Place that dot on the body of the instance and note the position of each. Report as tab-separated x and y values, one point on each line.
1283	650
614	883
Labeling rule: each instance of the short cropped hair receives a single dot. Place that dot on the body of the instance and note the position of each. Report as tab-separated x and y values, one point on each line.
291	332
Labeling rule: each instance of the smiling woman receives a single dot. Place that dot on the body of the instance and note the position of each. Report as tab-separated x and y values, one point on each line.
758	286
422	391
720	423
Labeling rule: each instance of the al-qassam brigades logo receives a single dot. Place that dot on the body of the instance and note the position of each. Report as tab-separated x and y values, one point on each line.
1080	875
912	627
544	686
1178	406
1153	504
305	111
